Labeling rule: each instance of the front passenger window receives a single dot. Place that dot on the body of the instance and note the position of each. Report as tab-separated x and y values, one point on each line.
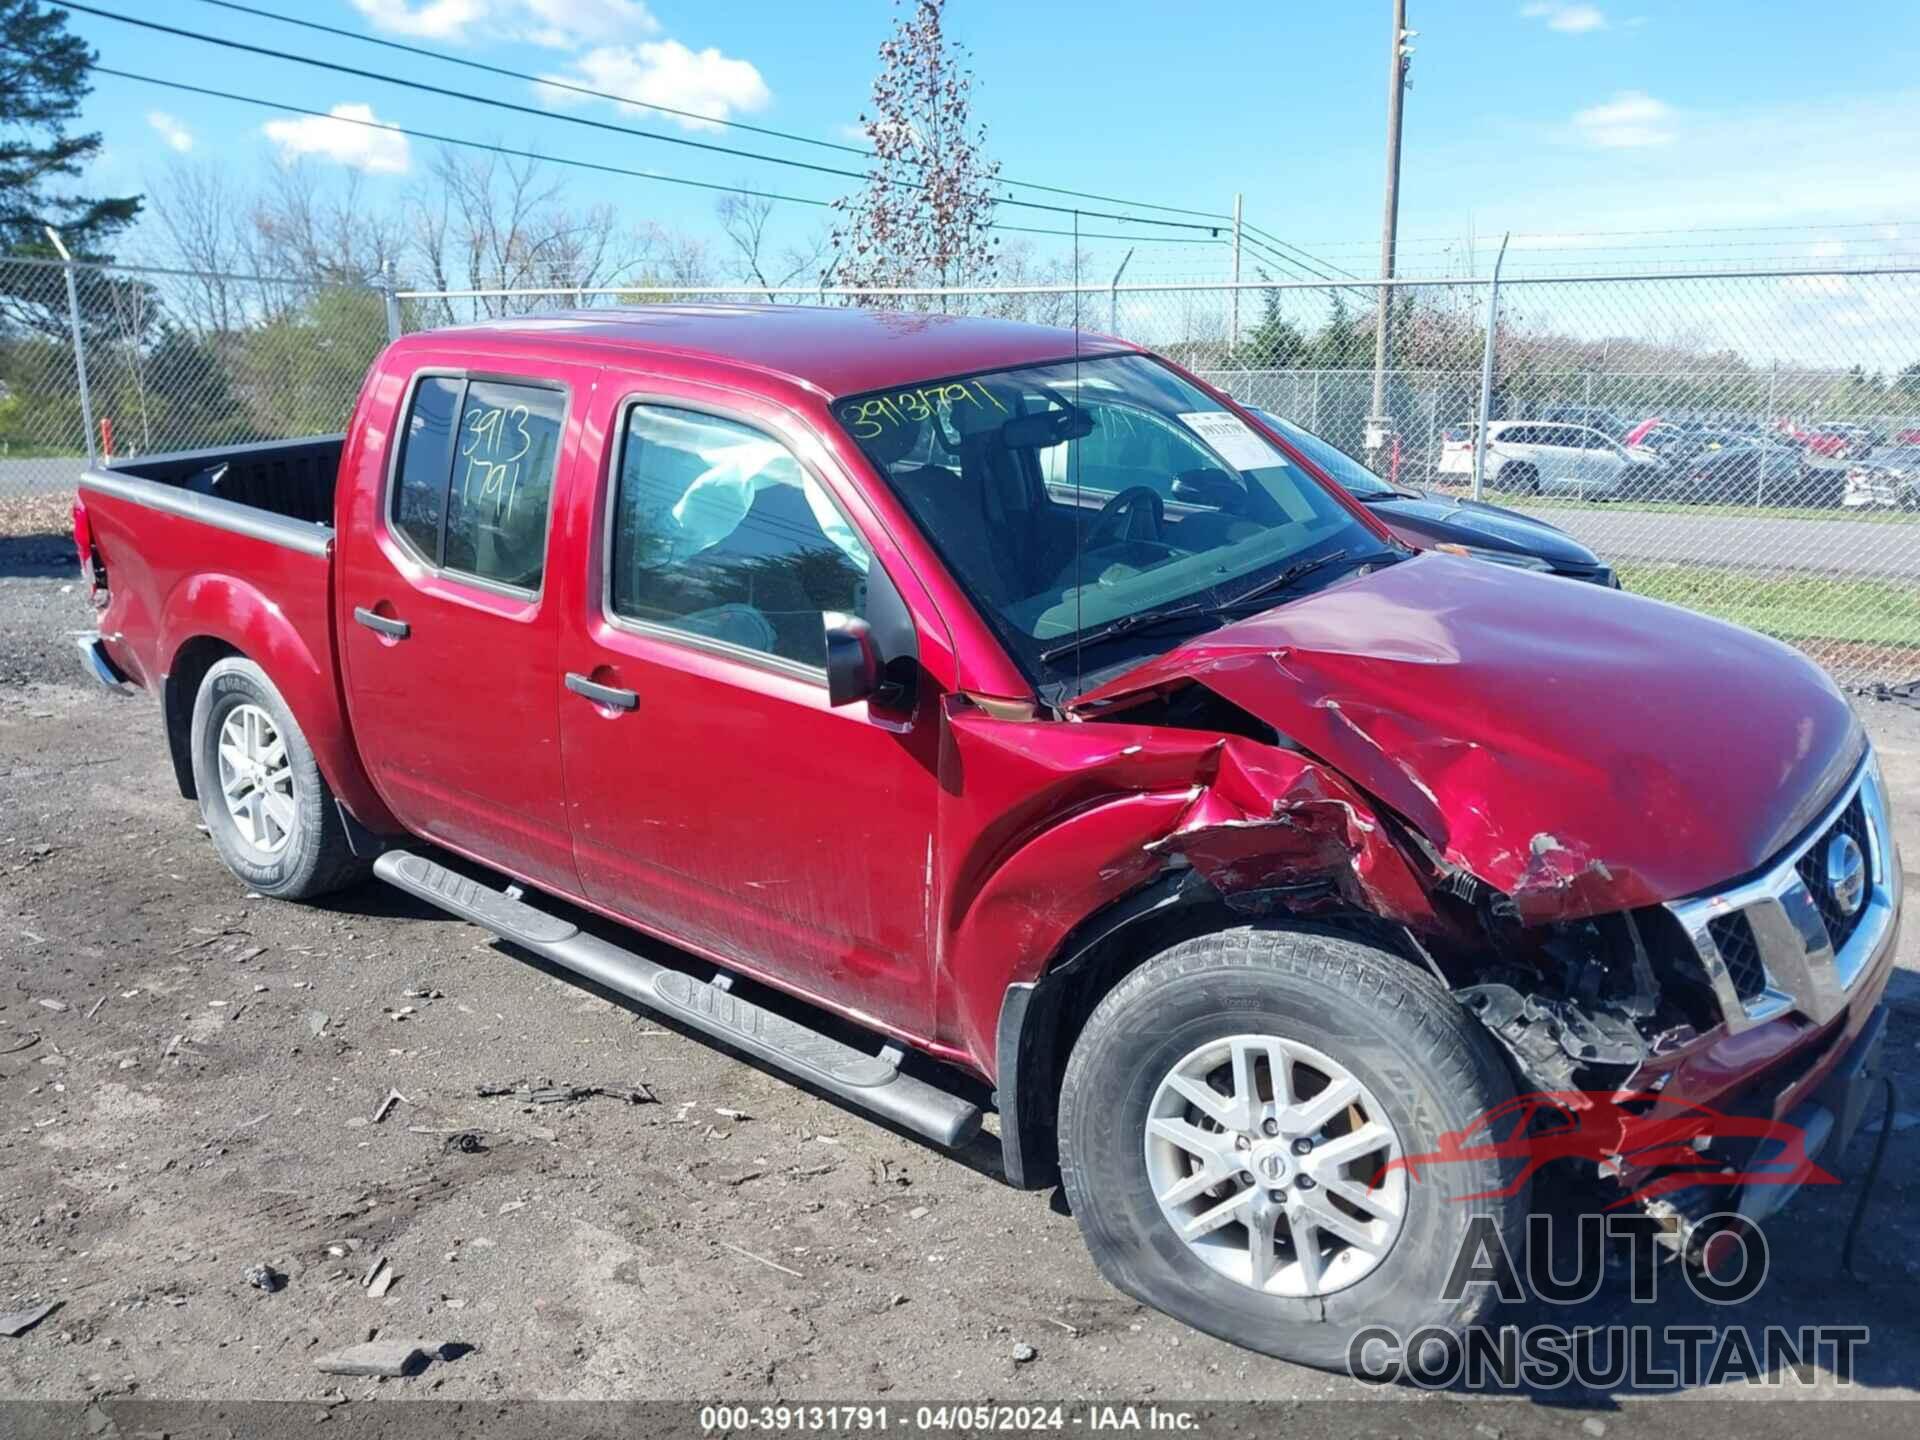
718	532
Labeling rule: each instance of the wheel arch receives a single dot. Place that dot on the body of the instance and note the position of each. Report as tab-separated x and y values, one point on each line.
213	617
1040	1018
180	687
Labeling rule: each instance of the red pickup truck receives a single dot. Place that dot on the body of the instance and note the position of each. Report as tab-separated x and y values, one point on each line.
1156	799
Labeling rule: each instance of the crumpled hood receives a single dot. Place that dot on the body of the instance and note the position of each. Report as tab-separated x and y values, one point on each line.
1580	750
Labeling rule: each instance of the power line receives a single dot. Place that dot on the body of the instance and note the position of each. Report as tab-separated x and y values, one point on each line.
1285	245
1273	255
502	70
766	130
509	150
591	123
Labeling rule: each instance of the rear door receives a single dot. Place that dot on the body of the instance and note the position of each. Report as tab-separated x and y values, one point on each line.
447	631
716	797
1603	464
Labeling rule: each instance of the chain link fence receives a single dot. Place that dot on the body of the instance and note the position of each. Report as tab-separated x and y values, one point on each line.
102	362
1746	443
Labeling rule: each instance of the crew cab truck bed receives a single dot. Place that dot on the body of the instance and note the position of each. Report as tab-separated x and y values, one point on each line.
1252	861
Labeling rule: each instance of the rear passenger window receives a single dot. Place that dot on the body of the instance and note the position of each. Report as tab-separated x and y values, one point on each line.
426	456
719	532
476	476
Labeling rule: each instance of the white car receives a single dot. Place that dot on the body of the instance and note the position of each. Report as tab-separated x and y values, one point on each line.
1537	457
1891	478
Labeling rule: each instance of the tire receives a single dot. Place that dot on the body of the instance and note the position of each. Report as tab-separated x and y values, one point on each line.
1520	479
307	852
1425	1063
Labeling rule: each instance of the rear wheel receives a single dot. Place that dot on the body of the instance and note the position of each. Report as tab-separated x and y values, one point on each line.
1230	1121
266	805
1523	479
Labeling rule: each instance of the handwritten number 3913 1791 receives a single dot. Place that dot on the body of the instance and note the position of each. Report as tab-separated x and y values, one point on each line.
497	439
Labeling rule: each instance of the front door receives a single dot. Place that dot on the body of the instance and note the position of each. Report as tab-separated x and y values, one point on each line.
447	632
715	796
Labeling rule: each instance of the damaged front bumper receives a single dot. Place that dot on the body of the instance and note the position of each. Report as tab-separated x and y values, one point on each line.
1830	1119
1799	973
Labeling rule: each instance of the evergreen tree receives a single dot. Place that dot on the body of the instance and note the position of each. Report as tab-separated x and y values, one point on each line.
43	79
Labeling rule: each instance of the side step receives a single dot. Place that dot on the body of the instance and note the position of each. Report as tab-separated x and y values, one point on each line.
873	1082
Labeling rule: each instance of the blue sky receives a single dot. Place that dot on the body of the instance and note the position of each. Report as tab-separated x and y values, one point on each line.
1553	119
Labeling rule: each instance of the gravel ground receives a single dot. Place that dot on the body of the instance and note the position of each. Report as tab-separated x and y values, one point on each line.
205	1096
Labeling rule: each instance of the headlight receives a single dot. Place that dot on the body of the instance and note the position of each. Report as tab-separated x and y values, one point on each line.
1498	557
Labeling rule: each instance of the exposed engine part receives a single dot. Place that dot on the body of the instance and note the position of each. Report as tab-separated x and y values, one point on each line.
1681	1213
1551	1037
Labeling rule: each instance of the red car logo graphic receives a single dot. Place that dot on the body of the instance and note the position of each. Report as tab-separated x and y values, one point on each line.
1666	1143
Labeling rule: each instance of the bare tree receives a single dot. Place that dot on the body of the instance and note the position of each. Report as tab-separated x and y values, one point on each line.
204	218
680	260
489	222
306	227
316	233
1019	267
925	213
744	220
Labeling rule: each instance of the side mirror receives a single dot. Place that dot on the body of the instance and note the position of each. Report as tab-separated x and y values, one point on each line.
853	661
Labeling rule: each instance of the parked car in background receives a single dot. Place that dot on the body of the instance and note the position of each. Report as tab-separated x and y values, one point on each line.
1592	416
1535	457
1445	522
1677	443
1891	479
1756	475
1835	441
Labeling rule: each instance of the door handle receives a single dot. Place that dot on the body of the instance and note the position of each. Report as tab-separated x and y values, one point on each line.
603	694
380	624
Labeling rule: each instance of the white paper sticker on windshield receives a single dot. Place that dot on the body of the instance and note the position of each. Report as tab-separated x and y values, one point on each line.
1238	445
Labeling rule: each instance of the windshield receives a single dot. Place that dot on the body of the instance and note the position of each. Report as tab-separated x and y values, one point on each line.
1076	501
1355	477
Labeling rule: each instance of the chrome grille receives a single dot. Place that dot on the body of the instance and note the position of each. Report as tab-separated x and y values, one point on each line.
1813	872
1741	953
1780	940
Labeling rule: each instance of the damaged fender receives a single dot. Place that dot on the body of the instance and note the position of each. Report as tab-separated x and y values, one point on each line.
1085	814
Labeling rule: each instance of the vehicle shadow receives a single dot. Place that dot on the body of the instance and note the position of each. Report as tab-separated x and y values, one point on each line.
981	1154
38	556
1665	1339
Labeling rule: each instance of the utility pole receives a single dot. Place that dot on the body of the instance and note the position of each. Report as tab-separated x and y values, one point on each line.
1377	421
1234	328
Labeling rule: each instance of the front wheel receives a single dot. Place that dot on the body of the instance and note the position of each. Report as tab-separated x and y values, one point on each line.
1233	1125
267	807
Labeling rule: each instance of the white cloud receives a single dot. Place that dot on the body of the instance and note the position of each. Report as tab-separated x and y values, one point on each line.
429	20
567	23
555	24
171	130
1566	18
1631	120
352	137
665	72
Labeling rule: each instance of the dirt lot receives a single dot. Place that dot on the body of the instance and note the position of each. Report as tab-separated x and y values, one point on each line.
202	1098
